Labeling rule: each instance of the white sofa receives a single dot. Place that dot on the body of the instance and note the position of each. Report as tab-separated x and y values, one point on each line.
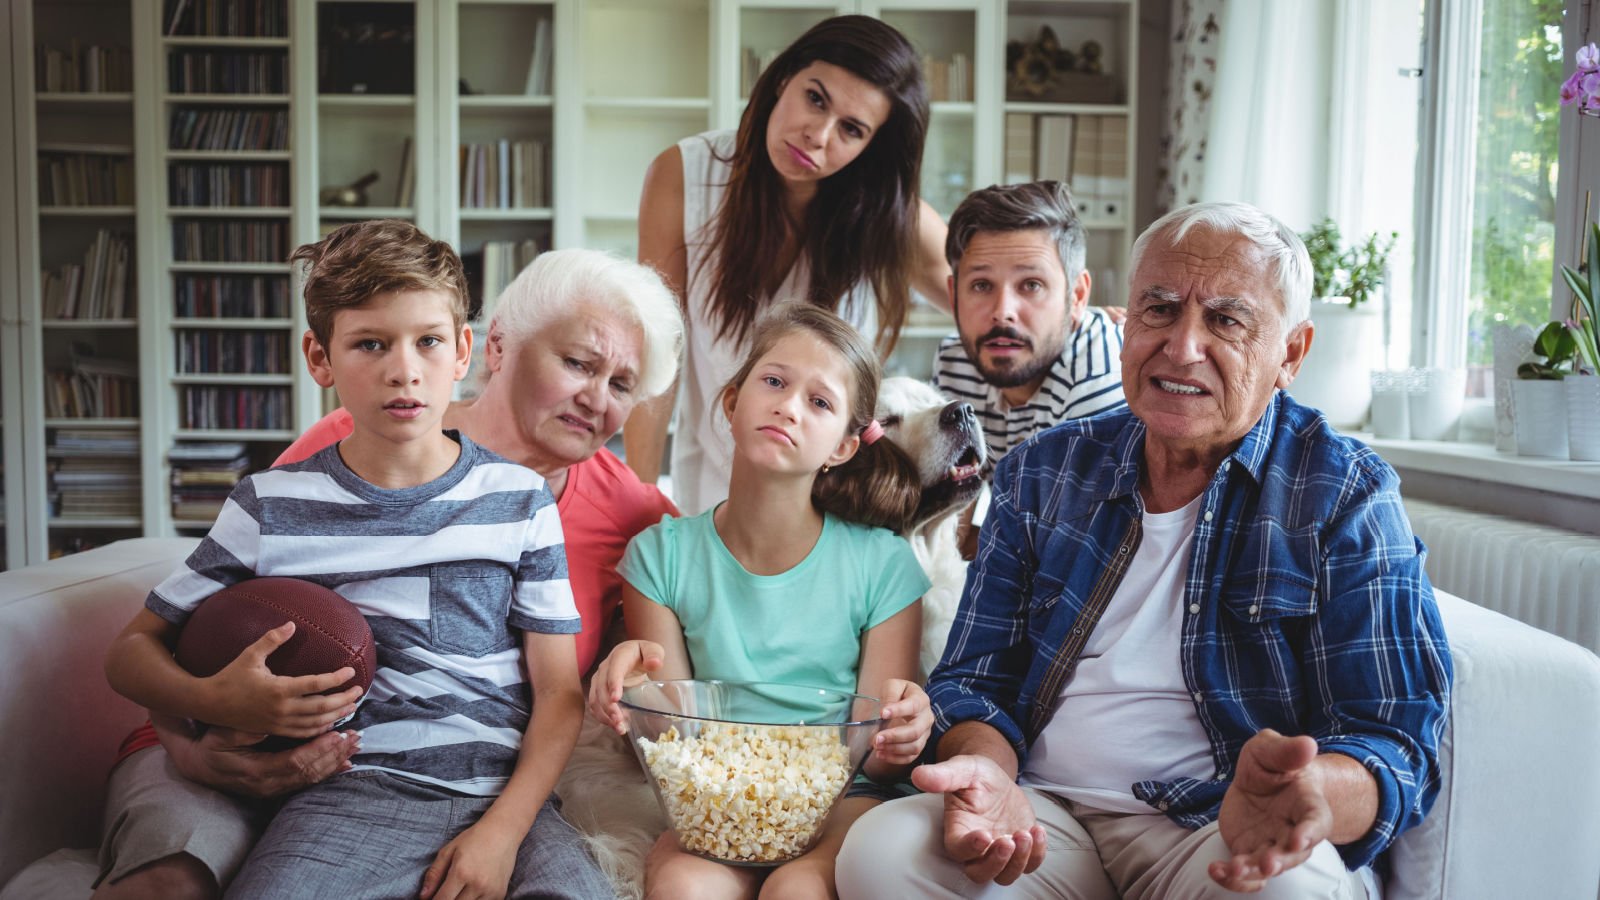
1518	816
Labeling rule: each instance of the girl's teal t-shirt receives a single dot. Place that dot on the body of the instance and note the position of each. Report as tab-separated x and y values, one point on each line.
803	626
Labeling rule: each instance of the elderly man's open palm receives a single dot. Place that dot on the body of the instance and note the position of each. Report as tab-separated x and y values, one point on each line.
989	824
1274	813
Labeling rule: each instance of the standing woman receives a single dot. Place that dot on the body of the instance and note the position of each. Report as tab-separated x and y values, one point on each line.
814	198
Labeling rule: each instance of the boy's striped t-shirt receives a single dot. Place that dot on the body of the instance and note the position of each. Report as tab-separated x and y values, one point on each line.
447	573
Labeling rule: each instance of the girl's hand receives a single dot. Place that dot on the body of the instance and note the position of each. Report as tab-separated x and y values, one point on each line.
908	721
477	864
248	697
630	663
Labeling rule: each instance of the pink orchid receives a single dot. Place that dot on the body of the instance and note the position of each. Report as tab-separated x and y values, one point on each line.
1588	57
1590	83
1570	89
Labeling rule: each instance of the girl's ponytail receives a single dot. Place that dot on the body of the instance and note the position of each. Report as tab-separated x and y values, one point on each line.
878	486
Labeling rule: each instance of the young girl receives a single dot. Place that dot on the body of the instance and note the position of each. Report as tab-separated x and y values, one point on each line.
787	580
814	198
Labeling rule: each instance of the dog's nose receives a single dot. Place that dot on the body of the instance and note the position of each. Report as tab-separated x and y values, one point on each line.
957	413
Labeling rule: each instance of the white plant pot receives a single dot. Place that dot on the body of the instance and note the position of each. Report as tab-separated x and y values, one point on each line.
1435	402
1346	345
1541	410
1583	416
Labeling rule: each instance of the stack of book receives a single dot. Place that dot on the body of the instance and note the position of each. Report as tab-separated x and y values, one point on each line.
100	176
206	408
491	269
228	184
95	289
83	70
227	72
94	473
233	352
230	241
948	79
94	388
203	475
227	18
228	129
230	296
503	175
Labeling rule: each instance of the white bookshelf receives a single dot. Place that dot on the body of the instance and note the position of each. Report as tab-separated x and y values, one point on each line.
627	79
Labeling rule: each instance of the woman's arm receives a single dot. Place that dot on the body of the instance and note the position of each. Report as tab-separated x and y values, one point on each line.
930	273
479	861
888	671
662	245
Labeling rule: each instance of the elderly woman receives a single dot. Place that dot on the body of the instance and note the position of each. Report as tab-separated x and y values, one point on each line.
577	339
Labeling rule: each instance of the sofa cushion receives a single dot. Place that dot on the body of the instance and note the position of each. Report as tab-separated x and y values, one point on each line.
56	621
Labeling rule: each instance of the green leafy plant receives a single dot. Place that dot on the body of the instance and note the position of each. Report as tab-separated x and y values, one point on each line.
1584	320
1356	271
1557	345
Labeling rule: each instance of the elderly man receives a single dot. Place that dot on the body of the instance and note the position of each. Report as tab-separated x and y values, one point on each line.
1197	652
1030	353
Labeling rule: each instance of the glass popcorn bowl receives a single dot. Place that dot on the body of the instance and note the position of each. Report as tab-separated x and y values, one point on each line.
747	772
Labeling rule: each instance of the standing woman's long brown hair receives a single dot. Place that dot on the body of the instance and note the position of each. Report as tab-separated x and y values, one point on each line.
861	226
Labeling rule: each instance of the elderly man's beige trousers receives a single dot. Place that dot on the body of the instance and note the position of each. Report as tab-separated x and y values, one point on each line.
897	850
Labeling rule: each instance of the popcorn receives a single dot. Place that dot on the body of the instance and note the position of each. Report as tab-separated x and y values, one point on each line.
748	793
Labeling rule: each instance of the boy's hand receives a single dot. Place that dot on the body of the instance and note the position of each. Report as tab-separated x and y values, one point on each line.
246	696
908	721
629	664
477	864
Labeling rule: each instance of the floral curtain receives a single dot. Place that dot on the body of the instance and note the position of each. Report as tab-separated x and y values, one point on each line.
1196	34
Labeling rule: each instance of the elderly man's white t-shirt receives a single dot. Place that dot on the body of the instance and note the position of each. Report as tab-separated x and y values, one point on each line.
1125	715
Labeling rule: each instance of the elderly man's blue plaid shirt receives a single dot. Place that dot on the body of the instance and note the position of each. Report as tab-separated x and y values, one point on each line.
1307	607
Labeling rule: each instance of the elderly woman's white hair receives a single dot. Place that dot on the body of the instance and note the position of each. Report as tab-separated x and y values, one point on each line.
1282	246
557	282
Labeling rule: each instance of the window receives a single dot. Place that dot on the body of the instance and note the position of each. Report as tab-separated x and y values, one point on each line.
1493	135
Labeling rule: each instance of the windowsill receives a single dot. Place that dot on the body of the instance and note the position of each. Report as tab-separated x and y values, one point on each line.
1483	463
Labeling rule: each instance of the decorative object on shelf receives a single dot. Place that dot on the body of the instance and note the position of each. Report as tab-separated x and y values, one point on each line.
1434	398
366	48
352	194
1582	87
1512	347
1347	344
1391	410
1043	71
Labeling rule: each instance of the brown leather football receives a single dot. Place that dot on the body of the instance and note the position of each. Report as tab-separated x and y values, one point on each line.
329	632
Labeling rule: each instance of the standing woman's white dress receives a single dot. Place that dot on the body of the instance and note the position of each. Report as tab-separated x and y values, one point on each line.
702	450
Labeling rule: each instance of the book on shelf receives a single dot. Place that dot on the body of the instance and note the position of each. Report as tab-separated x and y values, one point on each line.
208	296
539	62
506	174
1019	148
1085	171
203	475
100	176
406	186
221	184
226	18
1053	157
97	288
83	70
218	407
490	269
1113	167
208	128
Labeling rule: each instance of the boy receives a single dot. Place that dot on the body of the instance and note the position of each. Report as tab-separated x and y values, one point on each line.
449	551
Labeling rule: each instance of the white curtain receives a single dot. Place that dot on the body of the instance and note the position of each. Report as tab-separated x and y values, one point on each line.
1248	105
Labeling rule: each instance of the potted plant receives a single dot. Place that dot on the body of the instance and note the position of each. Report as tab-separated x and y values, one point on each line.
1347	343
1540	400
1583	387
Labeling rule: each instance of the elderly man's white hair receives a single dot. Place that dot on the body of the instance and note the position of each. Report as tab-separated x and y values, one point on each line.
558	282
1282	246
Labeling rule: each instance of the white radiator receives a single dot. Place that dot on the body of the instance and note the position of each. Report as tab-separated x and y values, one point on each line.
1547	577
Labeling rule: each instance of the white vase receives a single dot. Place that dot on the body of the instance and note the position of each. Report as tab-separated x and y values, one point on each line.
1541	418
1346	345
1583	416
1513	346
1435	399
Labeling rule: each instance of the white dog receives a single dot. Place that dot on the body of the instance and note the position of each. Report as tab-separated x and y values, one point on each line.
944	439
603	792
